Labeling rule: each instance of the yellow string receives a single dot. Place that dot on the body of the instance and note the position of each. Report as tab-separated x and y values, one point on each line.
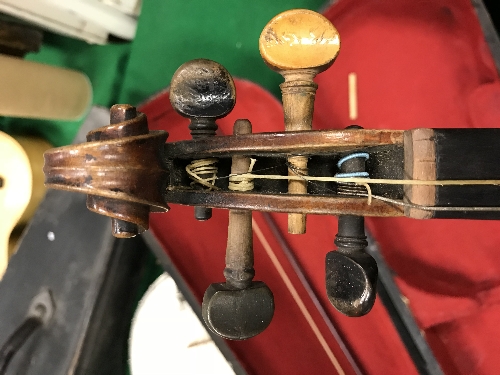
244	182
203	167
362	180
239	182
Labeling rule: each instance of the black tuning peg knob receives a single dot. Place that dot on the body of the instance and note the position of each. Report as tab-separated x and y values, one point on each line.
238	314
239	308
203	91
351	274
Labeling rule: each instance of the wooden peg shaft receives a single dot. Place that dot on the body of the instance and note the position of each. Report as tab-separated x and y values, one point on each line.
239	270
299	44
240	164
240	308
120	113
298	94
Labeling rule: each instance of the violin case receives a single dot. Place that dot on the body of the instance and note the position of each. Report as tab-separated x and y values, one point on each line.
419	64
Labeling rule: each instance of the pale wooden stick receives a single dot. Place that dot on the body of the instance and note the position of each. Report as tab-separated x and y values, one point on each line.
352	79
239	250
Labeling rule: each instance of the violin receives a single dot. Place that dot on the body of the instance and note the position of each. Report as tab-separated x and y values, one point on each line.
128	171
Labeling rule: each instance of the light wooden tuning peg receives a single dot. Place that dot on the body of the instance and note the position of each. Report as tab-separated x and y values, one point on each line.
299	44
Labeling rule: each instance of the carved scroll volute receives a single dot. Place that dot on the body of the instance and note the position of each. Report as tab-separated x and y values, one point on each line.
120	168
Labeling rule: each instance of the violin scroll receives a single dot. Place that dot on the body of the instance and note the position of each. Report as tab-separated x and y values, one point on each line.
120	168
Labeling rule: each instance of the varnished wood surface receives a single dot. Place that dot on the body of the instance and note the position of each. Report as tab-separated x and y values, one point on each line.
319	205
124	168
311	142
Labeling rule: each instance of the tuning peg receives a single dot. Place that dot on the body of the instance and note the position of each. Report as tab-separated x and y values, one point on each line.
240	308
351	273
299	44
203	91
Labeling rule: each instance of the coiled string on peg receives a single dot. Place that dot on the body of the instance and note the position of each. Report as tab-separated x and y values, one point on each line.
203	172
239	182
350	188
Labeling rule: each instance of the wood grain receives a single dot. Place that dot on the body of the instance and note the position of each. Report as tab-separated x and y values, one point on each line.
312	142
420	164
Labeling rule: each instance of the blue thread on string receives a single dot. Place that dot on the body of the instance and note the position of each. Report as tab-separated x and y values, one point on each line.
352	156
343	188
352	174
349	157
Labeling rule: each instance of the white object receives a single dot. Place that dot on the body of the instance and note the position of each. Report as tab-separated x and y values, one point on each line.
90	20
167	338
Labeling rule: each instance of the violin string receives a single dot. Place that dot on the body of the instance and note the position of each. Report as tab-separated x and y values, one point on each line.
240	183
255	170
363	181
429	208
203	167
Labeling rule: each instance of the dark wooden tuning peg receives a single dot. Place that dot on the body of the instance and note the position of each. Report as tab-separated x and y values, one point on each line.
238	314
203	91
240	308
351	273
